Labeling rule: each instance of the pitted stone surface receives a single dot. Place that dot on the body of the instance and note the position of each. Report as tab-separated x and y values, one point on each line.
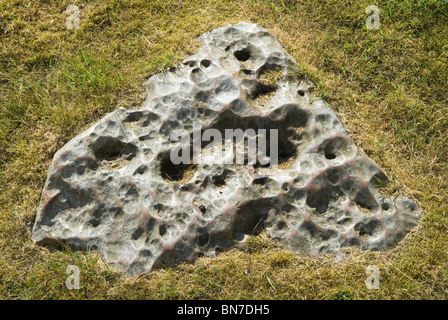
114	188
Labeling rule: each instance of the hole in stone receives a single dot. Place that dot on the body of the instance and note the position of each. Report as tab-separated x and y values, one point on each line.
95	223
269	74
137	234
334	176
336	147
379	180
365	200
351	242
261	181
285	160
111	149
251	215
281	225
146	253
311	228
128	191
299	195
320	200
197	75
263	90
285	187
206	63
287	208
163	230
369	229
70	198
144	137
141	170
324	119
283	122
180	173
257	89
243	54
190	63
220	180
344	220
134	116
203	209
301	93
203	237
329	153
385	206
219	250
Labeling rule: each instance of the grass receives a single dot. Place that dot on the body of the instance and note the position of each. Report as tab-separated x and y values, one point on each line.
388	86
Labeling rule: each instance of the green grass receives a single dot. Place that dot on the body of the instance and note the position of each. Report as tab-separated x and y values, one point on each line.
388	86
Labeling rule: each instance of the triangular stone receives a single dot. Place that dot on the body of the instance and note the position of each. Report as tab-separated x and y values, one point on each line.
115	187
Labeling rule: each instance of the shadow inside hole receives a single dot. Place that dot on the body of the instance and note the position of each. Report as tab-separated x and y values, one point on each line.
109	149
174	172
206	63
243	54
335	147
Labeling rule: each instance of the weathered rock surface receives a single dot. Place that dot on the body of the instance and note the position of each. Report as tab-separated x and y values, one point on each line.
113	187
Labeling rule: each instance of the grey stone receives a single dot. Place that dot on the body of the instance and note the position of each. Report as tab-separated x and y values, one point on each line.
113	187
